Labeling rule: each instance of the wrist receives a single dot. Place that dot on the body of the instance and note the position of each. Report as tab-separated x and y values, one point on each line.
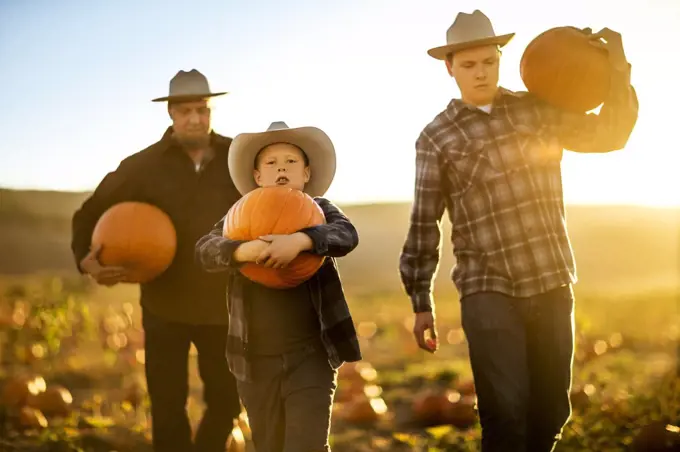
304	241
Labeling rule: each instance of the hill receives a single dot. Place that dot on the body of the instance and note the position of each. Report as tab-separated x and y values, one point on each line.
617	248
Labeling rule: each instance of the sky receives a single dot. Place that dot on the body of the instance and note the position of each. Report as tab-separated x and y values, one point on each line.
77	79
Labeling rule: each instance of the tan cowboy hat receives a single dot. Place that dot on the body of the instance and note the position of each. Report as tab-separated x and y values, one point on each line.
186	86
314	143
467	31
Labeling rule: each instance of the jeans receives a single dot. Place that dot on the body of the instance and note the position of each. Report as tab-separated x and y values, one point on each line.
521	353
289	401
167	347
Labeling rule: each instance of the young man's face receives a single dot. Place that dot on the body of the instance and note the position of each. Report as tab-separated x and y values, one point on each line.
281	164
476	73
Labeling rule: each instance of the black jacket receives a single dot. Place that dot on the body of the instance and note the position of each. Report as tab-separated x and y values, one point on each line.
164	175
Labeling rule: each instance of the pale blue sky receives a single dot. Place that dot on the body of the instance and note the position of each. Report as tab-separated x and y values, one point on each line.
77	79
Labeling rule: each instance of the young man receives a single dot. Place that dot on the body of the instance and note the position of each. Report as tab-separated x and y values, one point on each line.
492	159
286	345
184	174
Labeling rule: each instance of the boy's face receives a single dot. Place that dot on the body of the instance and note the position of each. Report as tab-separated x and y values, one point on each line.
283	165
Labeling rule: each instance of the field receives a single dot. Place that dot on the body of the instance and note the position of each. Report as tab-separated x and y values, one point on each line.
86	339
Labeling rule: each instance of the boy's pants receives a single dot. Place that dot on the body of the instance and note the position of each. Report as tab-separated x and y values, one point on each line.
521	356
289	401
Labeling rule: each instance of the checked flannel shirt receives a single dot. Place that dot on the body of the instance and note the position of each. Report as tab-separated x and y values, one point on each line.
498	175
336	238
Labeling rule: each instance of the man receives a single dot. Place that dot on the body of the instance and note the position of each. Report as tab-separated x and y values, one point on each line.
186	174
492	159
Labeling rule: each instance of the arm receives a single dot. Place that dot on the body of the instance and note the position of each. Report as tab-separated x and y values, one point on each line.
610	130
215	253
337	238
420	254
117	186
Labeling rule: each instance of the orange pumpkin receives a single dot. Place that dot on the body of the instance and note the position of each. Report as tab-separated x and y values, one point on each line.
566	68
137	236
275	210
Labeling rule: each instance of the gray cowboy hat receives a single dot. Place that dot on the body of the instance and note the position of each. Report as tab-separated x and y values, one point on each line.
313	141
467	31
187	86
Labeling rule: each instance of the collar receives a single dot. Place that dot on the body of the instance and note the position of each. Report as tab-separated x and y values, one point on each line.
217	141
457	106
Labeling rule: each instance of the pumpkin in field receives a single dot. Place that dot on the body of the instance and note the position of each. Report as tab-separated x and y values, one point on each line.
137	236
566	68
275	210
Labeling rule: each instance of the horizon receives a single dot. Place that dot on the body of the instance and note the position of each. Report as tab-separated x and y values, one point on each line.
350	69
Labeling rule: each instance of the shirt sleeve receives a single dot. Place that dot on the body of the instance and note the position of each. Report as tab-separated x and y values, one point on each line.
214	253
420	254
117	186
604	132
338	237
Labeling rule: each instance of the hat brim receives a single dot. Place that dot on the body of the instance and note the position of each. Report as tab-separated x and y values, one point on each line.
188	97
441	52
313	141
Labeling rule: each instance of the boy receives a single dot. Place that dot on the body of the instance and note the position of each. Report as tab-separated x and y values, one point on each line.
285	346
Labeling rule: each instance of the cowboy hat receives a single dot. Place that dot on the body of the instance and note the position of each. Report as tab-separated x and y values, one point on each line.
314	143
467	31
187	86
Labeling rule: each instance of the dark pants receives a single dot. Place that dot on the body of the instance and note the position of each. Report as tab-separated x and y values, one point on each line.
289	401
521	353
167	360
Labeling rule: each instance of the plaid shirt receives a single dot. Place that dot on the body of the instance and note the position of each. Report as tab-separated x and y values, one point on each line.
334	239
499	177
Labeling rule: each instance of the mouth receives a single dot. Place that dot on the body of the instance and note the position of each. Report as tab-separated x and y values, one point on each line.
282	180
482	86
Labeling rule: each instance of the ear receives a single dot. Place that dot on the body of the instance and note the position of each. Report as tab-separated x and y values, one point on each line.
308	173
258	177
449	65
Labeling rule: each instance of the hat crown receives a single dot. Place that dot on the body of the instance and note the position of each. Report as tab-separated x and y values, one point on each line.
469	27
186	83
277	125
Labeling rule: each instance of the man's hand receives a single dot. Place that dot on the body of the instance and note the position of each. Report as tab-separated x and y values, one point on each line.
614	45
283	248
425	331
249	251
104	275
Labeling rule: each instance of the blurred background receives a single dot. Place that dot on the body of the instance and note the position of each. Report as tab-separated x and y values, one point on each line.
77	82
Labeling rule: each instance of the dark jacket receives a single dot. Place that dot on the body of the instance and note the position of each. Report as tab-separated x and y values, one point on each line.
164	175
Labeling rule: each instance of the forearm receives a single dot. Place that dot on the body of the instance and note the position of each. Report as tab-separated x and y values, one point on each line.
417	268
611	128
337	238
215	253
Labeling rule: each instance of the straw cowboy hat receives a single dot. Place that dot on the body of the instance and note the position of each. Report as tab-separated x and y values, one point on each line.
469	30
186	86
314	143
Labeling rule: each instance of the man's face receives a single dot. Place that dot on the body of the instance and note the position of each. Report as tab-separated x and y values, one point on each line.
476	73
191	122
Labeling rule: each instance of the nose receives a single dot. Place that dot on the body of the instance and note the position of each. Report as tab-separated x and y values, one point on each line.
281	169
194	118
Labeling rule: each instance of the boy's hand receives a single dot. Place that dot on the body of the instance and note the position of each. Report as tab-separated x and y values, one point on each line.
249	251
283	249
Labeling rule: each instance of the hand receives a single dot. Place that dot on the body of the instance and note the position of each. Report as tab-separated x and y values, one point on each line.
613	43
425	324
283	249
249	251
104	275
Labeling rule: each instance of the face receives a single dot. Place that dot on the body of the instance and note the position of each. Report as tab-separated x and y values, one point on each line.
191	122
281	164
476	73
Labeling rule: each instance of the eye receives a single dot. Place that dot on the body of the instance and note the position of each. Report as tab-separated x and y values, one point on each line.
292	160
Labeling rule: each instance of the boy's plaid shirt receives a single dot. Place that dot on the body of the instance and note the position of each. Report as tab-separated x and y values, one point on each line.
334	239
499	177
